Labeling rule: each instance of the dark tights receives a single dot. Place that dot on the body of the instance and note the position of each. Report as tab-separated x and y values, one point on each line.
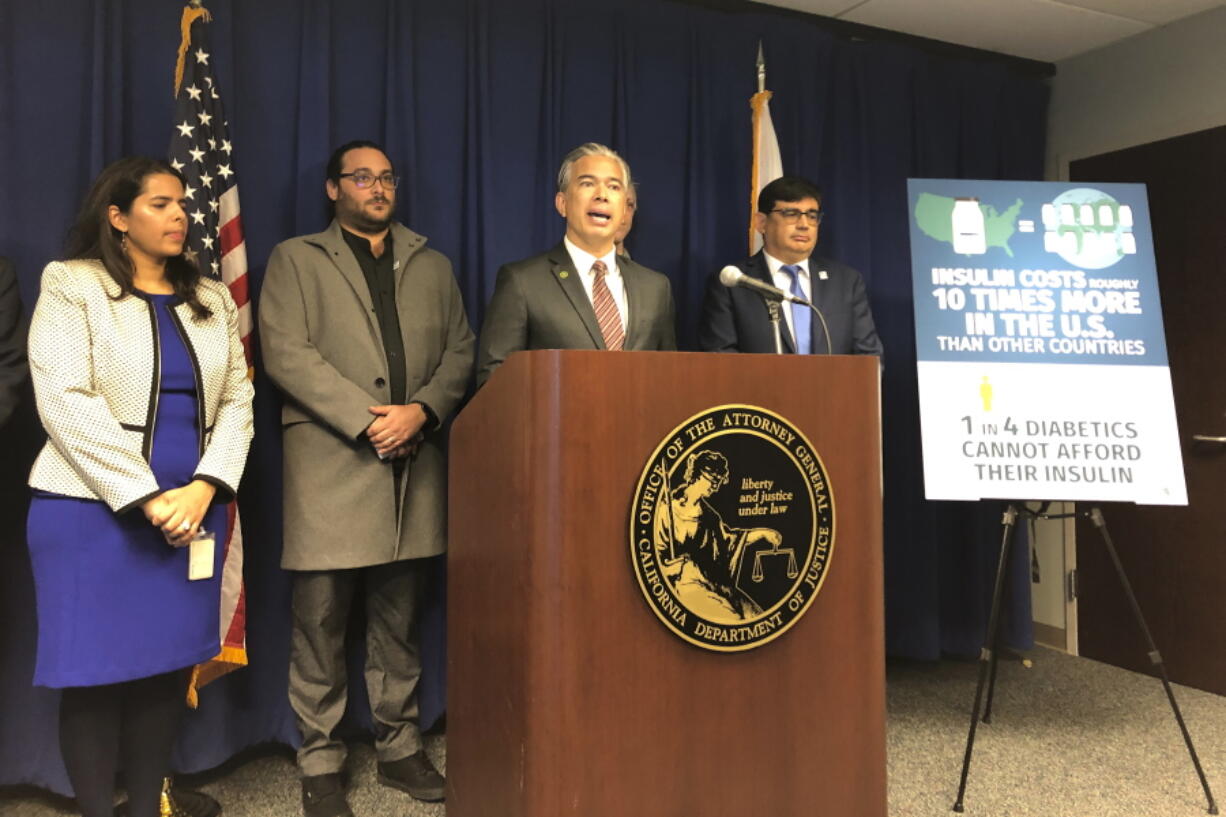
134	721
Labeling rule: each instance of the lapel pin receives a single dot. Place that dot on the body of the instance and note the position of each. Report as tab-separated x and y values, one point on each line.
396	265
563	274
821	273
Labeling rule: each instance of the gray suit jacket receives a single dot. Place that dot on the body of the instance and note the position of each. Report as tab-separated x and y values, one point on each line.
540	303
323	347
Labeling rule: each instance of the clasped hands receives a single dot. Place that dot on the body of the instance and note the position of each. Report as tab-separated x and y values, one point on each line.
179	511
396	430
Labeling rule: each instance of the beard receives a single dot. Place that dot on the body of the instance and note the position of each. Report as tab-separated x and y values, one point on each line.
356	216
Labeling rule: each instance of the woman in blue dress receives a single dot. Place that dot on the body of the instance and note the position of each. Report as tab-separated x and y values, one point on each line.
142	386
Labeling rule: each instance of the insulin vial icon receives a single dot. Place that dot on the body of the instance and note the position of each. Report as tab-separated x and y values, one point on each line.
970	237
1051	220
1125	216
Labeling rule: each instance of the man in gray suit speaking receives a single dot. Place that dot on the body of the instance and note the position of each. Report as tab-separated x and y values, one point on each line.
363	329
580	294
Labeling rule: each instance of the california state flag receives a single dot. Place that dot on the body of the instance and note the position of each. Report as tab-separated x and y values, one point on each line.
767	163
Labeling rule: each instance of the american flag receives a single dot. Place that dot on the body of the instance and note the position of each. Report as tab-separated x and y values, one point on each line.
200	149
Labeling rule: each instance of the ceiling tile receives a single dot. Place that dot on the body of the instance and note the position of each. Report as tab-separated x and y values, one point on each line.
1149	11
1036	29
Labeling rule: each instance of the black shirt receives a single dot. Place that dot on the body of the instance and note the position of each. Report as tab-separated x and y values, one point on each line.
380	274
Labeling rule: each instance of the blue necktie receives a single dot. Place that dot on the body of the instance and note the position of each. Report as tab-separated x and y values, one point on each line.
802	319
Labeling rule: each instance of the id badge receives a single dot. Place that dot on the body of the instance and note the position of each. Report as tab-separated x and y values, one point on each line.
200	556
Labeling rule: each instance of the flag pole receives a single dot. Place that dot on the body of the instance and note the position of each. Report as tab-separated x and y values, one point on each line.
758	104
761	68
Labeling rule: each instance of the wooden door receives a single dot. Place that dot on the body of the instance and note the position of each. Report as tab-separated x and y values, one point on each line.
1174	556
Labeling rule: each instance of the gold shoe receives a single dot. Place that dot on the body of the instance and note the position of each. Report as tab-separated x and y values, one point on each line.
180	802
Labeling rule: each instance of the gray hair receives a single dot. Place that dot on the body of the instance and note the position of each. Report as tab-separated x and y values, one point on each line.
590	149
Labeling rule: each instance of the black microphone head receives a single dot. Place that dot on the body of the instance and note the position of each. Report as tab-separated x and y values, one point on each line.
729	276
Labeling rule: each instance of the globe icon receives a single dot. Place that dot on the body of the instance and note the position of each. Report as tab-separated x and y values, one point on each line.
1088	228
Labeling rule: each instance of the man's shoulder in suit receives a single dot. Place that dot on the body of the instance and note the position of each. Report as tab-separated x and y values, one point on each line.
818	263
556	254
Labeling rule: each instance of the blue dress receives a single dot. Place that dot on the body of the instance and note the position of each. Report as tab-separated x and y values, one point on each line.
114	601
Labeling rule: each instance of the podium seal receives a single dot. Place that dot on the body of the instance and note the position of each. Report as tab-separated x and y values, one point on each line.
732	528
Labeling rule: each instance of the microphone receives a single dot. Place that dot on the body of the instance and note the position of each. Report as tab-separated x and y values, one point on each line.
730	276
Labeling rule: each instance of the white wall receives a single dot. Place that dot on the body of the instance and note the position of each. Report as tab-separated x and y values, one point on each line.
1160	84
1164	83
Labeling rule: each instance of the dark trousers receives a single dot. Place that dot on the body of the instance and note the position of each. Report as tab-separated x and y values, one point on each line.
317	675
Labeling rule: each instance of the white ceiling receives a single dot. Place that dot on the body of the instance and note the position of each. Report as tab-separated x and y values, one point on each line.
1046	30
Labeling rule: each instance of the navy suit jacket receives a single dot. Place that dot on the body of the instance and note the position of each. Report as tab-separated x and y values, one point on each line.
737	320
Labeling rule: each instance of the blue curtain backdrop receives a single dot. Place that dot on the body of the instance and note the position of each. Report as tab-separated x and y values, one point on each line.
476	101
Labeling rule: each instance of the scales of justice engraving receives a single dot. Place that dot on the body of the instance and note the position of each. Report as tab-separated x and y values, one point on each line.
700	554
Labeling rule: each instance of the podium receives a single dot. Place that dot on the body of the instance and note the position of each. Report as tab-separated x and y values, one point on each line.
566	694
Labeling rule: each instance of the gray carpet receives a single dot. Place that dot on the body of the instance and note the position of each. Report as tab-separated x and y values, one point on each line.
1069	738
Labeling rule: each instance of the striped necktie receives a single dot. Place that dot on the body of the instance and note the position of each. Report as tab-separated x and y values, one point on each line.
606	310
802	321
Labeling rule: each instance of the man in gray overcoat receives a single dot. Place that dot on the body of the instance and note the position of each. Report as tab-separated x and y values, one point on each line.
363	329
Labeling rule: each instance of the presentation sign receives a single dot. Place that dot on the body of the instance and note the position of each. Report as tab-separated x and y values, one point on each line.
1041	357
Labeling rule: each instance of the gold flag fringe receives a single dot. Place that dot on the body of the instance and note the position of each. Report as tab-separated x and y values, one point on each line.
190	15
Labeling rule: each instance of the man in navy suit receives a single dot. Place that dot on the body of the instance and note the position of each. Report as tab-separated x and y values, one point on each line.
737	320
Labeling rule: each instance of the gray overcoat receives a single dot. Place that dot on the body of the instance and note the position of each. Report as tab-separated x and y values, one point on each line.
323	348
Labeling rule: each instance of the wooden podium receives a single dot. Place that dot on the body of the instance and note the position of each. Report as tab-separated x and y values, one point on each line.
566	695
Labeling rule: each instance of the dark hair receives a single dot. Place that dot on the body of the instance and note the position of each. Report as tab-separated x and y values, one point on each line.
787	188
333	171
92	236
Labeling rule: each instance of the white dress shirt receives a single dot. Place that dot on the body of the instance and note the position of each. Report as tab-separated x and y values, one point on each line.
617	286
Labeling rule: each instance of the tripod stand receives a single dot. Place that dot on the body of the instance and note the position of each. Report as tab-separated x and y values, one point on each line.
988	655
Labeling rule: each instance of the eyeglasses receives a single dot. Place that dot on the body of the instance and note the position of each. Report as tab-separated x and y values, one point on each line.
363	180
791	215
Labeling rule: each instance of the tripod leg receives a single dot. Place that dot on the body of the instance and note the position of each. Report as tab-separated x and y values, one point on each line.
986	654
995	661
1155	657
987	705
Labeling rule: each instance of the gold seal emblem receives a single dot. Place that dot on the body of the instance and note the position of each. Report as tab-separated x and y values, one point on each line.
732	528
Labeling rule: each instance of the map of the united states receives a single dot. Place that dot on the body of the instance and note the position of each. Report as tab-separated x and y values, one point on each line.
934	217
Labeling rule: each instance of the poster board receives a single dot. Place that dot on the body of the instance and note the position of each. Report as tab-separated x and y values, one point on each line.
1040	350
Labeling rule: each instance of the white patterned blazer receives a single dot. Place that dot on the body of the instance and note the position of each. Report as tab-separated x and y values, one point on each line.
95	366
